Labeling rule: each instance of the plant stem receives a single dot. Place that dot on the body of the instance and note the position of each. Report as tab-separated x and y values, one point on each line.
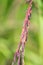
40	30
19	55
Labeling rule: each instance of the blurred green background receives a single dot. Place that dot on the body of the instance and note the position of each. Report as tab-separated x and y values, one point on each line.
12	15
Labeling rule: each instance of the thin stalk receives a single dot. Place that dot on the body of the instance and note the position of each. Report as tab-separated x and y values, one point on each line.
19	55
40	30
41	35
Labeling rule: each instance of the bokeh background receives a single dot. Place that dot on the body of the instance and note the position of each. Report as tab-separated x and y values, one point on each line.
12	15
